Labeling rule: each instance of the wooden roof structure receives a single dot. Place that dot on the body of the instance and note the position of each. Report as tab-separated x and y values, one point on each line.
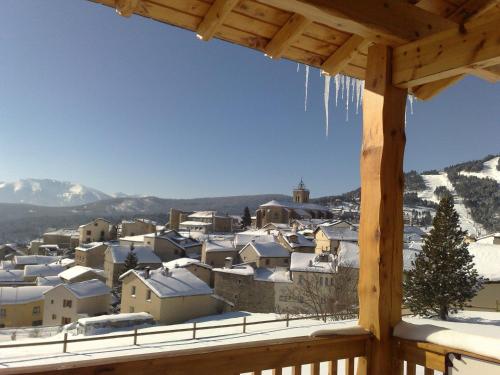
430	37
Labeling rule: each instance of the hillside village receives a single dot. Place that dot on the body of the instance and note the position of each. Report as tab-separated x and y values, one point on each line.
287	258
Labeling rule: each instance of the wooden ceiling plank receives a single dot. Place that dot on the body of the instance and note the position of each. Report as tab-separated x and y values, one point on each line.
430	90
126	8
290	31
447	54
214	18
491	74
343	55
391	22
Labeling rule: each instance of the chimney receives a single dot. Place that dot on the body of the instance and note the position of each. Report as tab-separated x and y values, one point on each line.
147	272
228	262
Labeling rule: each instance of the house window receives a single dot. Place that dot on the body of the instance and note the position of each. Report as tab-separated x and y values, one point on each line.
267	262
286	260
67	303
54	316
148	295
65	320
51	301
36	310
37	323
131	309
89	233
132	291
3	313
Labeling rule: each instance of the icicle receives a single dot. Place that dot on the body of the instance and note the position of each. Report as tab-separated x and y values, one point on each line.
342	84
306	84
298	67
337	85
326	99
358	94
410	98
347	87
353	88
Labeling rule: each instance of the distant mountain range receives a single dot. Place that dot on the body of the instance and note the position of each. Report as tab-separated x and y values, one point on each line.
31	207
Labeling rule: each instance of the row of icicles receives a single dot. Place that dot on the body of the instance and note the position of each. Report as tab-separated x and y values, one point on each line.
350	90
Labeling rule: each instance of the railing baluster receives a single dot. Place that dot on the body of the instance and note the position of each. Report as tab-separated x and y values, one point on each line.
297	370
428	371
411	368
315	368
332	367
349	366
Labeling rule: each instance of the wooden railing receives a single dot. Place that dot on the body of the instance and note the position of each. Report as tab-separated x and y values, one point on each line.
279	356
430	356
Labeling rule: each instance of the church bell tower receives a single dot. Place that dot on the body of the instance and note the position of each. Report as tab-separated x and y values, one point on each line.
301	193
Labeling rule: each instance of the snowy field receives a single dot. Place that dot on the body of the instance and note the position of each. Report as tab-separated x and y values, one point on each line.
16	360
489	170
432	182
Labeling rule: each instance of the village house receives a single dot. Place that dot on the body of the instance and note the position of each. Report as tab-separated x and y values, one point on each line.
265	254
176	217
48	280
295	242
90	254
137	240
201	270
285	212
98	230
63	238
207	222
241	239
328	238
486	261
31	272
114	261
170	245
169	295
22	306
246	288
214	252
65	303
271	227
8	251
492	239
136	227
79	273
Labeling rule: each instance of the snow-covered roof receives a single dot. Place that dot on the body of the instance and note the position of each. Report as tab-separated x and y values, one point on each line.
486	259
23	294
88	288
11	276
192	223
219	245
35	259
275	275
116	318
183	262
306	262
489	238
268	249
77	271
202	214
176	282
63	232
277	226
43	270
65	262
95	220
244	238
138	238
89	246
174	237
239	269
144	254
339	233
297	240
48	280
273	203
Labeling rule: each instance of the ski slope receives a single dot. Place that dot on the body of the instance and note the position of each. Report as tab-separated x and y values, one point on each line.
489	170
432	182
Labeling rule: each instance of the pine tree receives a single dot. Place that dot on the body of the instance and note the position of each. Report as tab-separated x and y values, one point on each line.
443	277
247	219
130	260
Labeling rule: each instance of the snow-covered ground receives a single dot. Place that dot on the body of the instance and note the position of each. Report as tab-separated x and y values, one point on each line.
489	170
432	181
16	360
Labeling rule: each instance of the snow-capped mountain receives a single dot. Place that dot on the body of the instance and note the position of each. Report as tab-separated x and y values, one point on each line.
45	192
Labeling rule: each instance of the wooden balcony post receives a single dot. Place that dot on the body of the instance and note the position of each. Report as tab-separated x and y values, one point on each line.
381	223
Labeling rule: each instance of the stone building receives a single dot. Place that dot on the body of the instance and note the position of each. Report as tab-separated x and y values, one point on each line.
215	252
90	254
328	238
170	245
64	238
265	254
97	230
22	306
136	227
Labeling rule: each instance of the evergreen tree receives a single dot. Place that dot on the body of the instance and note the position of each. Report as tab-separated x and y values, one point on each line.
131	260
443	277
247	218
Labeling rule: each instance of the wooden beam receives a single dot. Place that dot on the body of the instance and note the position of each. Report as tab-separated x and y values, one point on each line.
429	90
381	223
126	8
341	57
447	54
214	18
295	26
390	22
469	9
490	74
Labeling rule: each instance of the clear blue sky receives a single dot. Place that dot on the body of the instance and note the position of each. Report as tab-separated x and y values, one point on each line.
141	107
